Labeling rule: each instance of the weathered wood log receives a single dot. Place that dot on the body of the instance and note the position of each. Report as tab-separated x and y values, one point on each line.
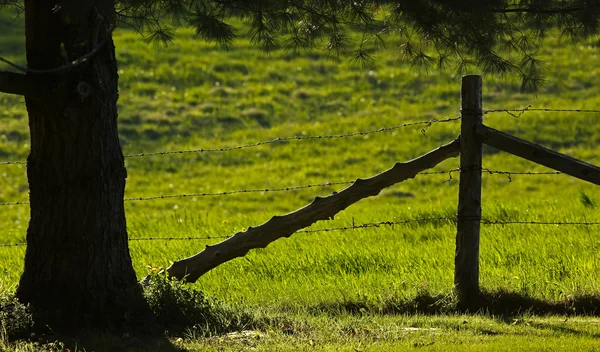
466	259
538	154
321	208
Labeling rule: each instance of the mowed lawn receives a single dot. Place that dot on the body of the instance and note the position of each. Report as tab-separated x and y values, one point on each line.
368	289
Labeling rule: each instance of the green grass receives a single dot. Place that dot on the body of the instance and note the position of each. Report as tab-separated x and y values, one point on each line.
193	95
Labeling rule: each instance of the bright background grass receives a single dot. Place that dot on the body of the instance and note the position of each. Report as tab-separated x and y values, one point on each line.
192	95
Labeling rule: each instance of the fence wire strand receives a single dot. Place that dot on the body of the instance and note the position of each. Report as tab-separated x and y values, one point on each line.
264	190
353	226
449	172
426	125
557	223
518	112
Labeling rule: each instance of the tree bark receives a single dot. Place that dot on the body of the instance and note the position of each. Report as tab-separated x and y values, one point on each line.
78	271
190	269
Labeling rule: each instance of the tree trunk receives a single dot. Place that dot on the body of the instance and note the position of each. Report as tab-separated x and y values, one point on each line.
78	271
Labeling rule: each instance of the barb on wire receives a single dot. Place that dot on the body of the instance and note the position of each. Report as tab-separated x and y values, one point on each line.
66	67
13	162
518	112
434	120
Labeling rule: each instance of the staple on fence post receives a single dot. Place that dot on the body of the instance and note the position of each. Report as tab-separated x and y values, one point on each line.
466	261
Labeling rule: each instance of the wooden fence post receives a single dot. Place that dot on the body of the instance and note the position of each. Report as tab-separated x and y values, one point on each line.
466	261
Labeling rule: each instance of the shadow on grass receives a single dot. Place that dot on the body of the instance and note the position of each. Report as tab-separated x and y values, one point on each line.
563	330
99	342
176	311
502	304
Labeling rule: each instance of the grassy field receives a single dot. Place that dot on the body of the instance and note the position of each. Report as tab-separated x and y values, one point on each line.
369	289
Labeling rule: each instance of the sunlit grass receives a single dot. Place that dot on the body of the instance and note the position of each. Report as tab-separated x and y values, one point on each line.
192	95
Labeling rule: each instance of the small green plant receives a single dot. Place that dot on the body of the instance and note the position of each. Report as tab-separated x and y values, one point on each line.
586	200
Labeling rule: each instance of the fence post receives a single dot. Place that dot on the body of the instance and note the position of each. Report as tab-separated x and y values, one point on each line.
466	261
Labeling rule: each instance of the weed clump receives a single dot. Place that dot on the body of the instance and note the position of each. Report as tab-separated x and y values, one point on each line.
301	94
177	308
222	91
16	320
258	115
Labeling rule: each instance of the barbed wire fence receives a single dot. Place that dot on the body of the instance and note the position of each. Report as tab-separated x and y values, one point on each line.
426	124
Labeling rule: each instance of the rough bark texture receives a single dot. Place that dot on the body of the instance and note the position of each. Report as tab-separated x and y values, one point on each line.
190	269
78	271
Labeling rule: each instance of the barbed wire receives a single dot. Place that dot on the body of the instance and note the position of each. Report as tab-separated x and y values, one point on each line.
176	238
513	112
189	238
509	174
264	190
427	124
377	224
298	138
13	203
13	244
449	172
499	172
518	112
329	229
353	226
557	223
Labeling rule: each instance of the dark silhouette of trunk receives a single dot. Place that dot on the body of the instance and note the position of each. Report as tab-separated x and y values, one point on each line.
78	271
